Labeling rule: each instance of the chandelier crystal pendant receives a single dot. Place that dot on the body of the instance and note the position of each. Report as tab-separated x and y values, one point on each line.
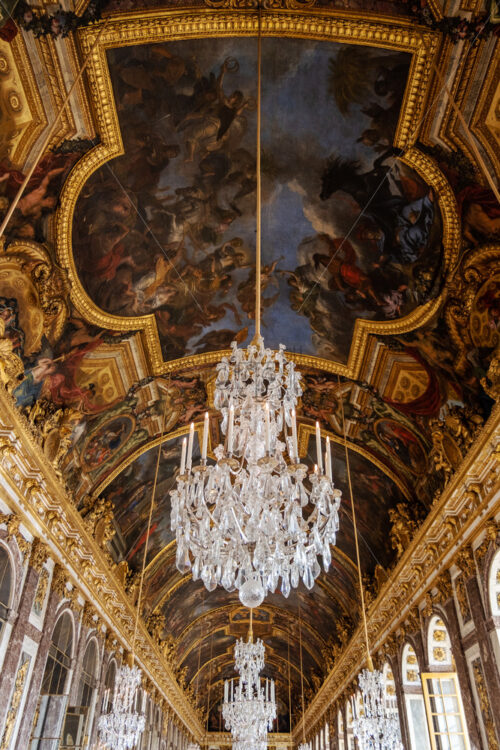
122	726
258	515
249	706
377	728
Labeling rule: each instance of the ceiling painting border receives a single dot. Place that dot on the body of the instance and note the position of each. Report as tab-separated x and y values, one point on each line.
304	432
278	635
229	607
16	54
337	554
128	30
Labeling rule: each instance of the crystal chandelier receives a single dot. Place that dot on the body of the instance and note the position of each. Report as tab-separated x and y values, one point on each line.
121	727
377	728
258	514
249	706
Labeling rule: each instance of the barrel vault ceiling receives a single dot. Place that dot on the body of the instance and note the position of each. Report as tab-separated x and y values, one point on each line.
129	266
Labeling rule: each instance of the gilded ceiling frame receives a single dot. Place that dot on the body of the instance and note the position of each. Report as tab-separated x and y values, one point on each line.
344	560
316	658
15	63
230	607
155	26
305	430
271	658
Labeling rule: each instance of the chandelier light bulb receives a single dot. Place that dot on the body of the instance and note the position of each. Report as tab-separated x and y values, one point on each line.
257	518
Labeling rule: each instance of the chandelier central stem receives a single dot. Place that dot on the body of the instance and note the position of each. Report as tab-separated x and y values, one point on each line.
258	239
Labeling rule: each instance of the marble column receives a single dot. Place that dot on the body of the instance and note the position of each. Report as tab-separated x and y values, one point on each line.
398	682
488	660
463	674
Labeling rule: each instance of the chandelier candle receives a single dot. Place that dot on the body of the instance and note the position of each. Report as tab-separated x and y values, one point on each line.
205	438
257	516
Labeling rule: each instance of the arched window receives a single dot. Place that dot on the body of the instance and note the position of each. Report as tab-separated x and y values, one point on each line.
414	700
78	722
348	724
327	736
390	690
54	689
109	687
5	586
443	702
340	730
439	644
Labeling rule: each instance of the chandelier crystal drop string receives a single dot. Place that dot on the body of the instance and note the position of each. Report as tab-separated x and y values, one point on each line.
123	725
377	728
242	523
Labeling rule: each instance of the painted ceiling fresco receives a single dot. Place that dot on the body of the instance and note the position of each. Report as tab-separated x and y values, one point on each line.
351	233
169	227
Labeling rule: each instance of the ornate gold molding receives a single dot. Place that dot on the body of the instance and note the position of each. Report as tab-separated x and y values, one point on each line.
158	26
33	491
24	117
424	563
19	684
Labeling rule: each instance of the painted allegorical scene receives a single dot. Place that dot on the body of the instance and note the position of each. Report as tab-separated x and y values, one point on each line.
131	495
349	230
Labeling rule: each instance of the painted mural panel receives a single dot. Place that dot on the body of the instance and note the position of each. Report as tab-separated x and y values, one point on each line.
169	228
131	494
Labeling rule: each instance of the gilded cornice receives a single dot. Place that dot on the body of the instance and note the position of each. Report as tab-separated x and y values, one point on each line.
486	108
131	29
57	89
33	492
453	522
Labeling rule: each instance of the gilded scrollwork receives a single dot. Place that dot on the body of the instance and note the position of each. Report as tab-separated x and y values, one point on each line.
19	684
39	554
485	705
98	515
467	311
41	591
404	526
13	522
452	436
53	426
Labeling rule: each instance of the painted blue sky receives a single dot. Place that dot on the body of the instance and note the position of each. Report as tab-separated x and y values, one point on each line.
315	302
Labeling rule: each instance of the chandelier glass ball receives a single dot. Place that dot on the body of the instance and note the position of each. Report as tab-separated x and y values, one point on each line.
258	516
378	727
122	726
249	706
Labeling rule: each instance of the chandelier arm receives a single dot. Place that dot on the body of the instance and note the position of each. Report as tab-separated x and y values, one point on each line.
356	543
245	539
